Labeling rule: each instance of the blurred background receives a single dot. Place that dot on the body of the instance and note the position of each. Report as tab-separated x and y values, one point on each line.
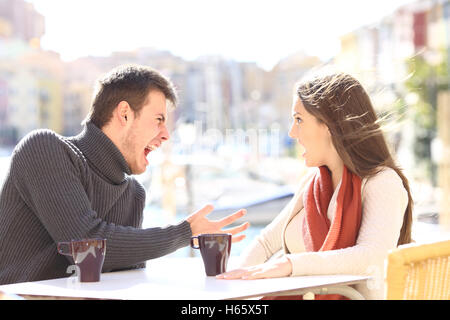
235	64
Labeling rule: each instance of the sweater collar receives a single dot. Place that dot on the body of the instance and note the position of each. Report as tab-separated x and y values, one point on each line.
102	154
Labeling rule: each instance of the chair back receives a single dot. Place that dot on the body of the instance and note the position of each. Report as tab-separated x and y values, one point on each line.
419	272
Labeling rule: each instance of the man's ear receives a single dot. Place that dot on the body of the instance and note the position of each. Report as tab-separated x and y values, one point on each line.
123	113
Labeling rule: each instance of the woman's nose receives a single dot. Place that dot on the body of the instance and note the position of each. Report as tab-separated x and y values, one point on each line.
292	132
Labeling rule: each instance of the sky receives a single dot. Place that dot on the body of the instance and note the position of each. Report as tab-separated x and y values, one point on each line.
244	30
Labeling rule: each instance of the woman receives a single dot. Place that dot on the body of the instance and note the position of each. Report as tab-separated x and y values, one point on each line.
351	209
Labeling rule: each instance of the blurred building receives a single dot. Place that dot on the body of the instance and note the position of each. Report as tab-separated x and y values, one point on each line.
78	87
20	20
19	103
377	54
20	30
48	71
283	77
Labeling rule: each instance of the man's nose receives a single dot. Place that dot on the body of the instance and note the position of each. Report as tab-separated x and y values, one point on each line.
164	134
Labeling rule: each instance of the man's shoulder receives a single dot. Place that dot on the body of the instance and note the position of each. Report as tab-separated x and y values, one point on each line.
39	137
43	143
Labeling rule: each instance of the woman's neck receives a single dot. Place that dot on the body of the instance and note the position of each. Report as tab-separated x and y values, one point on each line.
336	168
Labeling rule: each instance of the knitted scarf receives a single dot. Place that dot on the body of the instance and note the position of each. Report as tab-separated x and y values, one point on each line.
319	234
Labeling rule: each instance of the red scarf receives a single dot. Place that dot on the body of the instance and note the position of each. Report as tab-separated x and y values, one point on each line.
319	234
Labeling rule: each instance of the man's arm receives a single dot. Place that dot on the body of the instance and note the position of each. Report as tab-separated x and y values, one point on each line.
48	178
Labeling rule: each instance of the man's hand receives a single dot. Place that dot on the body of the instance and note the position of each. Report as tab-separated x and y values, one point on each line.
201	224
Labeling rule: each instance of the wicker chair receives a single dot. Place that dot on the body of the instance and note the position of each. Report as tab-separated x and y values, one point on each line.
419	272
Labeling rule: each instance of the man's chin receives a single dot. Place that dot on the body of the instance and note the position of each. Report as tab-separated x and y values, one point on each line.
137	171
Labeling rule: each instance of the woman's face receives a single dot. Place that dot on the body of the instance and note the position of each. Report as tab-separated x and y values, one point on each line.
311	134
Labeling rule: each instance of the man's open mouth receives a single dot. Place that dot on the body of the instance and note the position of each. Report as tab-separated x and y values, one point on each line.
149	149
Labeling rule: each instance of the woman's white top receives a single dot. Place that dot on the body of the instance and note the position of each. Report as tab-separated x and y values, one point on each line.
384	201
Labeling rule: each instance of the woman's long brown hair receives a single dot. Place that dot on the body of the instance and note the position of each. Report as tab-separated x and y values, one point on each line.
340	101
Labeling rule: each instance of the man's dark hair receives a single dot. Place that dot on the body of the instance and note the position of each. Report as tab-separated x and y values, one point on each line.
130	83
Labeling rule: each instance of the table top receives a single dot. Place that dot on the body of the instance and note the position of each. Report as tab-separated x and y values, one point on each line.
174	279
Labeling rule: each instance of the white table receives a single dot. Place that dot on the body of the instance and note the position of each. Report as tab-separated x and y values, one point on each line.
184	279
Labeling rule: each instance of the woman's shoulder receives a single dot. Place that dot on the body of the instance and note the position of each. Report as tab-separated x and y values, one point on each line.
385	173
386	179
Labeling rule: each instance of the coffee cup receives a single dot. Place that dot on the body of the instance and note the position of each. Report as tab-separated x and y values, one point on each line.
88	256
215	250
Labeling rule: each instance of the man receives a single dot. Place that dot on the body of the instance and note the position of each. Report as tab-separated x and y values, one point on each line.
63	188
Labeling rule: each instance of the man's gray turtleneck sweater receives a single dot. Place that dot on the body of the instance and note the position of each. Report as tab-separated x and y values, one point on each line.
59	189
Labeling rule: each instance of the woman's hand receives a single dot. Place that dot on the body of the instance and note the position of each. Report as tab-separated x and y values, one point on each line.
281	267
201	224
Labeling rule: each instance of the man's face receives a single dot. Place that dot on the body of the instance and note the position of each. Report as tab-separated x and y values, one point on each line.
145	132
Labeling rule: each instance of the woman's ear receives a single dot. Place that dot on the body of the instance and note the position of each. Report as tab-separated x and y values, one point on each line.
325	128
329	136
